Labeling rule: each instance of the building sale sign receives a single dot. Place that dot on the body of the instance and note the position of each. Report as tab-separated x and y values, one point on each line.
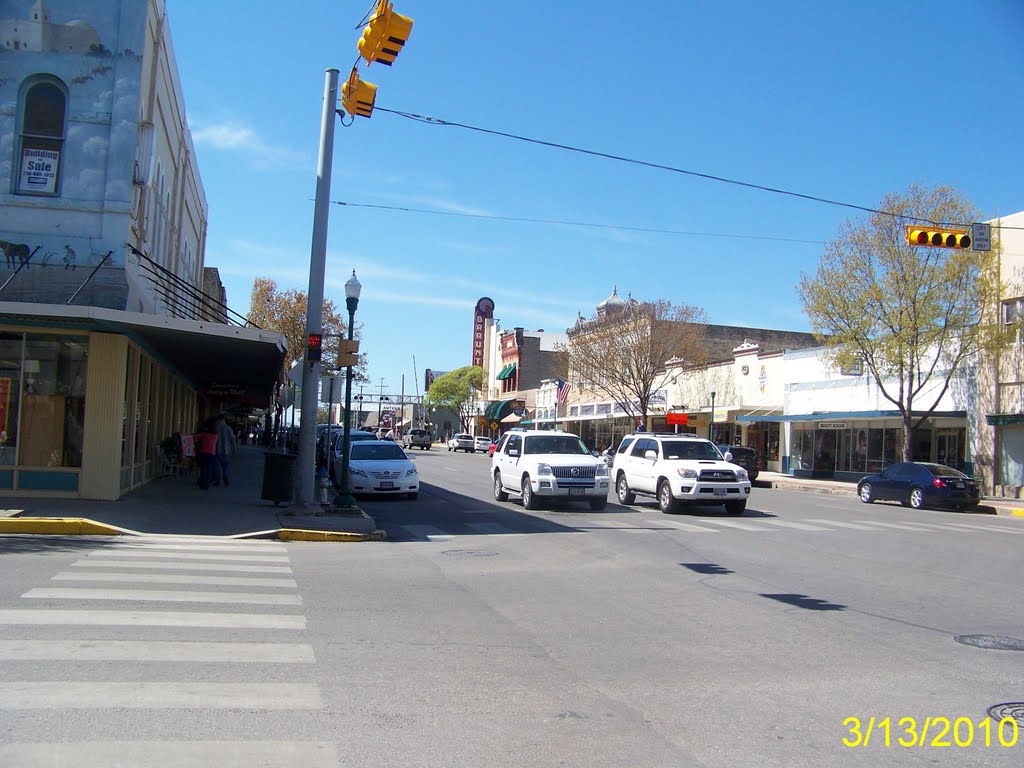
38	170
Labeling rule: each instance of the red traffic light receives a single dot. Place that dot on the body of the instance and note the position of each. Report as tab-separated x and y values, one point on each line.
314	347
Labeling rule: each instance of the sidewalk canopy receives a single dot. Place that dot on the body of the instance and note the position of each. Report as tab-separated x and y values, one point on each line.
507	372
497	409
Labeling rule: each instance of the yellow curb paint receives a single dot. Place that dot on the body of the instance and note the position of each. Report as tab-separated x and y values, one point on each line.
300	534
74	526
1017	512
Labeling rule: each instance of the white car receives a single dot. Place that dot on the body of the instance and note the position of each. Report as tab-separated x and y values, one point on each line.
544	464
462	442
678	469
481	443
380	467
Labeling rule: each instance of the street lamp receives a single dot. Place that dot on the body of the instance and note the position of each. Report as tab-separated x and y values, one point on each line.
711	423
344	497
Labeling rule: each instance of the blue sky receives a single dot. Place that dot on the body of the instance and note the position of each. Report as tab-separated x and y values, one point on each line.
846	101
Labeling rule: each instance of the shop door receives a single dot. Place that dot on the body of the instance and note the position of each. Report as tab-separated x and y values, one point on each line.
949	447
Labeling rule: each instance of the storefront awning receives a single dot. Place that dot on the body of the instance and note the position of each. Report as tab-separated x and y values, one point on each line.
1004	419
833	415
497	409
511	419
507	372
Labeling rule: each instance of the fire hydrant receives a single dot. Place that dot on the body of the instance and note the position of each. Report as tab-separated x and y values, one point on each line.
325	487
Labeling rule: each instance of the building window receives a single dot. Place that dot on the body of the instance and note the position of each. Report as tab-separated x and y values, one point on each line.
41	142
1013	311
52	425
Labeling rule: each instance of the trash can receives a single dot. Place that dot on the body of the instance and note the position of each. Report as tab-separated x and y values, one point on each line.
278	477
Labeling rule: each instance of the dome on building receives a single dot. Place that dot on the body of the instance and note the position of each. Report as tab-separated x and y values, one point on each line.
612	301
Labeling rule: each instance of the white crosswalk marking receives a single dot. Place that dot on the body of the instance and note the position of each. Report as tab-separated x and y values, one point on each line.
155	650
689	528
91	695
174	578
789	524
741	525
169	566
898	526
159	595
146	553
428	532
845	524
37	616
986	528
184	754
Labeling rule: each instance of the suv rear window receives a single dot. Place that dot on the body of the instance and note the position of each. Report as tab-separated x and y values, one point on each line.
689	449
569	444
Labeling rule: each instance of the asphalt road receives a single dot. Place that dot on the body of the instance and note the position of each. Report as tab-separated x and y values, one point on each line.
480	634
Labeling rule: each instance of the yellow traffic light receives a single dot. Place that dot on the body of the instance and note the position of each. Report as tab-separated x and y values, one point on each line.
385	35
357	96
938	238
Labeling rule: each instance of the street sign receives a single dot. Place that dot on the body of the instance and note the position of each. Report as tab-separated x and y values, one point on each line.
981	237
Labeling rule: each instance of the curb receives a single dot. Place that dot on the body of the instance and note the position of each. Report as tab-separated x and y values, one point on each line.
302	534
68	526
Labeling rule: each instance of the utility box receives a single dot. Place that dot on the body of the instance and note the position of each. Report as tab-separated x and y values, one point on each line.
278	477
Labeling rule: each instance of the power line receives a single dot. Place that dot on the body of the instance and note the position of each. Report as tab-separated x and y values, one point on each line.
670	168
573	223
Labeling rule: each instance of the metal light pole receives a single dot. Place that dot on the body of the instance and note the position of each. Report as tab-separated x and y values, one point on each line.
711	423
315	295
344	497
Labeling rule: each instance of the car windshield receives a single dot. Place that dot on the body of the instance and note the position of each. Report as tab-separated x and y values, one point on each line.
375	452
941	471
568	444
689	449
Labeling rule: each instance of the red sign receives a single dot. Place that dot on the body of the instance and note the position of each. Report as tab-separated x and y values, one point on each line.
484	311
677	418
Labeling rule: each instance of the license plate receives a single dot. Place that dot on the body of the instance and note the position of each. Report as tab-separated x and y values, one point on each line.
959	485
721	491
386	484
575	491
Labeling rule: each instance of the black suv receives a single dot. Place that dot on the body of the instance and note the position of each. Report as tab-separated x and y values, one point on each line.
745	457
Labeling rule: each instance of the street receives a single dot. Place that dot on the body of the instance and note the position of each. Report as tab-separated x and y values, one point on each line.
480	634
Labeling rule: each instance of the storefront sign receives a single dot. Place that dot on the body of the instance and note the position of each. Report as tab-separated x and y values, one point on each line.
677	418
484	311
831	425
38	171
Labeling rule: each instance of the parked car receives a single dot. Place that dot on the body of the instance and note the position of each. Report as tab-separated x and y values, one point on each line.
920	484
380	467
482	444
545	464
462	442
678	470
418	438
745	457
337	438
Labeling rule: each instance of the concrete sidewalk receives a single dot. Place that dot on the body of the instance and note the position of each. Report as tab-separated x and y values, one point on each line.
990	505
178	506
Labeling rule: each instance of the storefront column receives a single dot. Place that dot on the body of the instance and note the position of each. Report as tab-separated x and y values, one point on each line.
104	417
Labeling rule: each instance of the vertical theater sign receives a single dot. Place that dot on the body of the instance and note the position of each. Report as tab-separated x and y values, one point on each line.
484	311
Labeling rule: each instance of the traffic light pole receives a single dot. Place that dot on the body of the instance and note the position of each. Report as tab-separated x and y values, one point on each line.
306	474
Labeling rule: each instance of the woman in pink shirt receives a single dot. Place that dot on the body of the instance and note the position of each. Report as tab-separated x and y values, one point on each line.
207	451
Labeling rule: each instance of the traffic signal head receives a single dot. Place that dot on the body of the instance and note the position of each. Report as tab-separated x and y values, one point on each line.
938	238
358	96
314	347
347	353
385	35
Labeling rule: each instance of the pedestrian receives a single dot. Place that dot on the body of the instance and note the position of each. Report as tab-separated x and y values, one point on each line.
207	453
226	446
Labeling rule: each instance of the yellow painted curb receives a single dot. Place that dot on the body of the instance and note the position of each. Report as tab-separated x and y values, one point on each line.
301	534
73	526
1017	512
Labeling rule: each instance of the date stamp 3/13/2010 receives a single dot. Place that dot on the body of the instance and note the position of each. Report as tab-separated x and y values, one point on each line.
931	732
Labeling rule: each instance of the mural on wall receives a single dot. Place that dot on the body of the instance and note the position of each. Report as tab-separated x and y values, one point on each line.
66	199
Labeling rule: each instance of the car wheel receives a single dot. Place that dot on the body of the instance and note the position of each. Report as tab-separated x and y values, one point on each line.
599	503
865	493
668	503
622	491
499	490
735	507
529	497
916	498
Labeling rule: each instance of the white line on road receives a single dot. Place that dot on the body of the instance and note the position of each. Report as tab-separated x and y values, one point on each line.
851	526
36	616
241	548
735	524
789	524
898	526
686	527
155	650
149	695
160	595
174	578
166	566
188	556
987	528
172	754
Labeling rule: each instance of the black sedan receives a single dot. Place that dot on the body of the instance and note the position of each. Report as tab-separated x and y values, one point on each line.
920	484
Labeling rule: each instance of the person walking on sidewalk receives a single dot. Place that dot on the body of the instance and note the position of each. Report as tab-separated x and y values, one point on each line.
226	446
206	451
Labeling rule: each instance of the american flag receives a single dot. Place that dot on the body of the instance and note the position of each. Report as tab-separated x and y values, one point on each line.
562	390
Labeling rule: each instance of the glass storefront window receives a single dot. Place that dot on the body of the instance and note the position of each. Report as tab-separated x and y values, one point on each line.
53	401
10	391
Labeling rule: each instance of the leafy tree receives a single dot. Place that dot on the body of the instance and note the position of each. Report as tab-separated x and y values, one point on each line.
913	315
457	391
625	350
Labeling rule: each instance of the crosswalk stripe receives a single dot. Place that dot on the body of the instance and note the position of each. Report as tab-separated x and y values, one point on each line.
241	548
153	695
987	528
425	532
844	524
790	524
687	527
898	526
155	650
165	754
169	566
743	526
52	617
174	578
187	556
160	595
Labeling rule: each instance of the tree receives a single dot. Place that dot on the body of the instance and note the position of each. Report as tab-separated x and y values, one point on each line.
912	315
625	350
457	392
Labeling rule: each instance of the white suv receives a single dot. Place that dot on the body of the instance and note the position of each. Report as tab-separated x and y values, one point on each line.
548	464
678	469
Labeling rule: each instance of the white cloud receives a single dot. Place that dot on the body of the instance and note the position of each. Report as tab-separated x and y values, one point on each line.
232	137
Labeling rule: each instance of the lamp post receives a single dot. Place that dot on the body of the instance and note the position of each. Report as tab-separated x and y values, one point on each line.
344	497
711	423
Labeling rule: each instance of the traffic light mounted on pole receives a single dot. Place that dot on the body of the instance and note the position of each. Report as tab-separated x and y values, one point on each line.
385	35
937	238
347	353
358	96
314	347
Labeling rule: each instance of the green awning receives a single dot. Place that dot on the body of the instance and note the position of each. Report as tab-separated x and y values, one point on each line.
1004	419
496	409
506	372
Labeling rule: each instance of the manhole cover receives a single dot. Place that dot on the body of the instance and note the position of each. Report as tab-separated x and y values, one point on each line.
469	553
992	642
1014	710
